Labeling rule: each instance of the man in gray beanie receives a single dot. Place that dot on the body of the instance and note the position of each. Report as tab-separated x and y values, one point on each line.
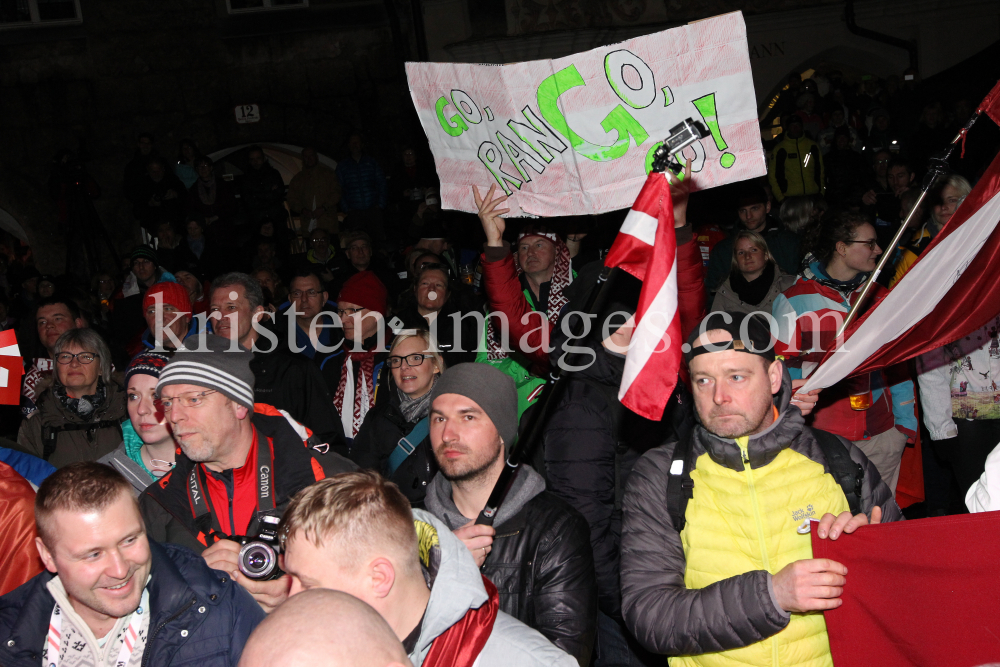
237	468
538	550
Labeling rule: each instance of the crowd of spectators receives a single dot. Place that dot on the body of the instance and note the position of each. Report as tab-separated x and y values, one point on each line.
335	368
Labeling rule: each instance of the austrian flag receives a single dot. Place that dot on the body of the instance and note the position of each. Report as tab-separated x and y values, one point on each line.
646	247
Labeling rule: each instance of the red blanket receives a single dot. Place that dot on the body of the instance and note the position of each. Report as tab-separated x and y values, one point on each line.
919	593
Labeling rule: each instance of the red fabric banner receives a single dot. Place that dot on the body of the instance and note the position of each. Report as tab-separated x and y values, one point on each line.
922	593
460	645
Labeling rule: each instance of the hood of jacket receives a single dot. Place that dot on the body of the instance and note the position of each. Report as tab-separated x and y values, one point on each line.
763	447
455	582
526	485
815	270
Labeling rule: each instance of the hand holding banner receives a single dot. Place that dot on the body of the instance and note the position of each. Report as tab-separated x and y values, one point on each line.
576	136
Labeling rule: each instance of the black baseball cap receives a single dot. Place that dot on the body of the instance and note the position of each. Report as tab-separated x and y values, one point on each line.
751	334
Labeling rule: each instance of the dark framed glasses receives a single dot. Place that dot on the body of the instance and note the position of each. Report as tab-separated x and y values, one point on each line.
411	360
83	357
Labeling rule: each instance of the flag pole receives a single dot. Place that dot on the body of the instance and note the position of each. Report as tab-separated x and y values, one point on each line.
539	414
681	136
938	167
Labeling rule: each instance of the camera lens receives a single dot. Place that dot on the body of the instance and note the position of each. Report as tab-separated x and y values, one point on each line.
257	560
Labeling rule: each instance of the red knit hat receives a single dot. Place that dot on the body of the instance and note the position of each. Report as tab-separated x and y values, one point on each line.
173	295
365	289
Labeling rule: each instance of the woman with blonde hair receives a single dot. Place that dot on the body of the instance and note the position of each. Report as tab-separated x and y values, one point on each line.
394	438
755	279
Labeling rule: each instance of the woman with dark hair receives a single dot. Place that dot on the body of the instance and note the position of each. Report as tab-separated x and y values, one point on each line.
147	450
875	411
755	280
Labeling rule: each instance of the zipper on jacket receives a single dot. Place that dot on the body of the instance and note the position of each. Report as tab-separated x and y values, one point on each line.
743	443
149	642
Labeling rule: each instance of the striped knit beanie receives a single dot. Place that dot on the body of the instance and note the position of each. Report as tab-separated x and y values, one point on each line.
206	361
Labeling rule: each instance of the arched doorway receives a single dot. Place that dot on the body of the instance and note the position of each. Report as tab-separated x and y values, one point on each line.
852	63
283	157
12	226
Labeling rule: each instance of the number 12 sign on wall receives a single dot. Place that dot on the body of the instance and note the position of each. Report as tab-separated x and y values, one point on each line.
247	113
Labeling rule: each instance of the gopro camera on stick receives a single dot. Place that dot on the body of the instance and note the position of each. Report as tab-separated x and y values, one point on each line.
681	136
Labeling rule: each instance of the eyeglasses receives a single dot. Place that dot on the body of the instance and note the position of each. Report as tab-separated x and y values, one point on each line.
871	244
82	357
411	360
298	294
195	400
348	311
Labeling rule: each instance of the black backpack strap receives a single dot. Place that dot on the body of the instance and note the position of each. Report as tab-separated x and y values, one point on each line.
849	475
680	486
51	433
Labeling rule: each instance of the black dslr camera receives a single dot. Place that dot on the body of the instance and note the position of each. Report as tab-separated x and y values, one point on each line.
258	558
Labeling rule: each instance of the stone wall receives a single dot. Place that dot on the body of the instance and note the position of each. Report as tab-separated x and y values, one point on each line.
178	69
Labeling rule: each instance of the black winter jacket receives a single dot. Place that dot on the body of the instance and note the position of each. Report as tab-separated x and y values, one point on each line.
469	333
540	561
291	382
199	617
591	443
166	506
381	431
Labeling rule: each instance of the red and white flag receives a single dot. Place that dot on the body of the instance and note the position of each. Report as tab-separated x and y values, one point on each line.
953	288
647	248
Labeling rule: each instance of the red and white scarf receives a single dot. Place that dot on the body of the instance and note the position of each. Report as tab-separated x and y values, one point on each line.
359	392
562	276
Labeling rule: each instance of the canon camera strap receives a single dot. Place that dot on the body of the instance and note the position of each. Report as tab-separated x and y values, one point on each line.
205	517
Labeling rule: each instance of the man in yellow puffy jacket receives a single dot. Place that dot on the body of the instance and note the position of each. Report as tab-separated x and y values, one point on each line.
796	165
725	575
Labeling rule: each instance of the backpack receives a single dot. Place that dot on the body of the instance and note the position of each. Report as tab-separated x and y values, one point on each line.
51	433
680	486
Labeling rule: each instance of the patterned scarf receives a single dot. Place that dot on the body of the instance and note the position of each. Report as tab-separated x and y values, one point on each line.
85	406
364	388
562	276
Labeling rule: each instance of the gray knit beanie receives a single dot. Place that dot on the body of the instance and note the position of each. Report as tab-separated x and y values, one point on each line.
206	361
491	389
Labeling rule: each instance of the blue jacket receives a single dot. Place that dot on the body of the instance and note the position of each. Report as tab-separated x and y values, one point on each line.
199	615
32	468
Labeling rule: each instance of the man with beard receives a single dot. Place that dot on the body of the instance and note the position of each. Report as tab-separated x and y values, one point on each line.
238	465
538	550
111	596
746	487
